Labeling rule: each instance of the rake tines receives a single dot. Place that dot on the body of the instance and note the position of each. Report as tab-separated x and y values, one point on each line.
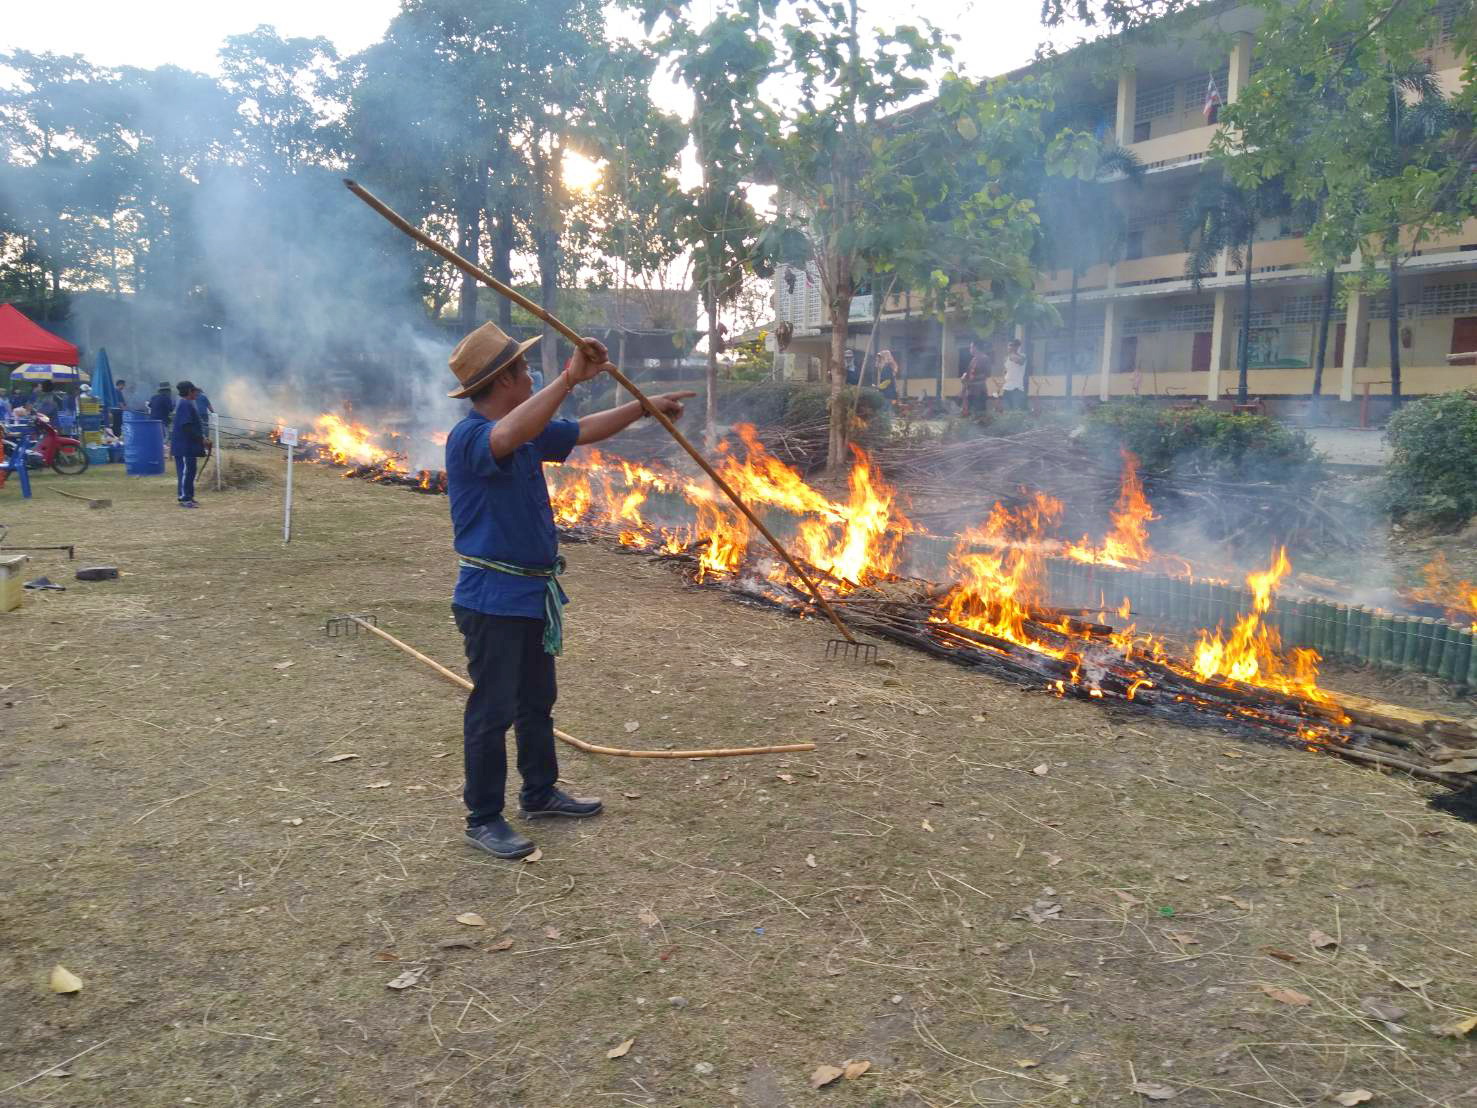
346	626
844	650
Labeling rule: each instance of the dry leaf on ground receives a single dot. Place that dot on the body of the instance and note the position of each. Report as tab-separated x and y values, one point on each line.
1321	940
631	796
1042	770
1458	1029
341	757
1280	955
378	785
284	665
632	725
1244	905
1287	996
552	932
471	919
787	778
1026	1063
927	826
502	944
1150	1091
535	856
620	1050
64	980
1127	898
1353	1097
810	860
1184	938
824	1075
854	1068
648	917
408	978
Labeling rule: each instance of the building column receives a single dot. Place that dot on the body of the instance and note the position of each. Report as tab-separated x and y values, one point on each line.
1110	344
946	348
1128	83
1240	72
1353	324
1217	348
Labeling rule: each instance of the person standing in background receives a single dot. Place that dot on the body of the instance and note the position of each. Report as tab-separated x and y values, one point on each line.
1013	386
187	443
161	404
124	404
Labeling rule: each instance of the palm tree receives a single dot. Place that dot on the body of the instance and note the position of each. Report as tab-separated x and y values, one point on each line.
1081	226
1417	113
1223	216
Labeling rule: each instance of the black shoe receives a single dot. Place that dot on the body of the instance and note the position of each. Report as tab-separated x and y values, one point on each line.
562	804
500	840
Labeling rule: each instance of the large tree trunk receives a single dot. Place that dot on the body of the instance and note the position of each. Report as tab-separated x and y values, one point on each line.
710	407
1325	314
1394	331
841	293
548	286
468	234
1244	360
503	240
1071	336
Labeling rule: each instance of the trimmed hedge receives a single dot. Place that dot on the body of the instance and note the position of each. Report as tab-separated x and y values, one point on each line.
1430	481
1206	442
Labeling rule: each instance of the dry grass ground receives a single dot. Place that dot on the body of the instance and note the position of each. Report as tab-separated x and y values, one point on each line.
992	896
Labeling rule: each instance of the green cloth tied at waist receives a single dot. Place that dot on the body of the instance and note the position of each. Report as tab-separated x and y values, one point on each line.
553	595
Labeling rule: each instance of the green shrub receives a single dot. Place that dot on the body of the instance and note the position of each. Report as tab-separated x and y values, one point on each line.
1430	480
1205	441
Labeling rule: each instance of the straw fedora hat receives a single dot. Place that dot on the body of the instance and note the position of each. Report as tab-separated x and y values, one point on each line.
483	354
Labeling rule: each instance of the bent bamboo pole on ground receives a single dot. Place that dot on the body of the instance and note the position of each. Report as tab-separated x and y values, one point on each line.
529	306
580	744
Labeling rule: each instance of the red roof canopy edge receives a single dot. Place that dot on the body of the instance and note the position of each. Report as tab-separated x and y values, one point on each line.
24	341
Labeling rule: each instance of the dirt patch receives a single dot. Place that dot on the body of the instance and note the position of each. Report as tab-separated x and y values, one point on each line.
914	893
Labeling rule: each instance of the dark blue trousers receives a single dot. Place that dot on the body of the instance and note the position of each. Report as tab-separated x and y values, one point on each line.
513	685
184	469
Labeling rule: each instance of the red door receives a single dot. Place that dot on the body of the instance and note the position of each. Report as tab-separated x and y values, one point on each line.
1464	339
1200	355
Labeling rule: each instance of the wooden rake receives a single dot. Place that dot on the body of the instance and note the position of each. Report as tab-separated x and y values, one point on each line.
845	647
350	625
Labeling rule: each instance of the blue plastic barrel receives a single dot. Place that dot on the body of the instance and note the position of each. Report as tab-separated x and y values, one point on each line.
143	445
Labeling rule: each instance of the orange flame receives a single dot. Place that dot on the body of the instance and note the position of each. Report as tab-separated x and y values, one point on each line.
1251	653
1458	597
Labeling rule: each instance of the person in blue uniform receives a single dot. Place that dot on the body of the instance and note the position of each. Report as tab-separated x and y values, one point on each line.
187	443
508	603
161	405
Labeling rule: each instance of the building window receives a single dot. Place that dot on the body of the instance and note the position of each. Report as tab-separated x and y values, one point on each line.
1143	326
1457	298
1196	87
1154	102
1302	309
1190	317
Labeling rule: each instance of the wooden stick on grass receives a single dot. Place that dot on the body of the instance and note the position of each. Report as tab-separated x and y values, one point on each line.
568	332
589	748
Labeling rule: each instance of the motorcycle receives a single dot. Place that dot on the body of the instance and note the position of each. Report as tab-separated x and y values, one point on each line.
65	455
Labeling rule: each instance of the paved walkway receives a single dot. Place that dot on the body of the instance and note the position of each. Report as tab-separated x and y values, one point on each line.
1351	446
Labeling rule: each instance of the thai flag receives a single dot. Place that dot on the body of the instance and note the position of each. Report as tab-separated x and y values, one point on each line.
1213	101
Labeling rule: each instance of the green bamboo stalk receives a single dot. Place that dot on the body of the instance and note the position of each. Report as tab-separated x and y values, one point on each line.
1440	641
1338	640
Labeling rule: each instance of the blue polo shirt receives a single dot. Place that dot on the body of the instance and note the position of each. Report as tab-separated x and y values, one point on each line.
500	512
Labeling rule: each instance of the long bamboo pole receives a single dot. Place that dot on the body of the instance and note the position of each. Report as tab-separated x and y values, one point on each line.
568	332
589	748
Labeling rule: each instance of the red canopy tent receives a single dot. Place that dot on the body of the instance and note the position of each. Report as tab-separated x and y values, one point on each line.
24	341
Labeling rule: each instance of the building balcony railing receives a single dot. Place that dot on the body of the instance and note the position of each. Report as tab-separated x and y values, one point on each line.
1156	267
1095	277
1178	146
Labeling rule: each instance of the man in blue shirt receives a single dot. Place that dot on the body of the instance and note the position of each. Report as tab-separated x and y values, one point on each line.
187	443
508	602
161	405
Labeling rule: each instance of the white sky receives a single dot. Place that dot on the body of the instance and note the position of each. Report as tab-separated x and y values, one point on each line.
994	37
